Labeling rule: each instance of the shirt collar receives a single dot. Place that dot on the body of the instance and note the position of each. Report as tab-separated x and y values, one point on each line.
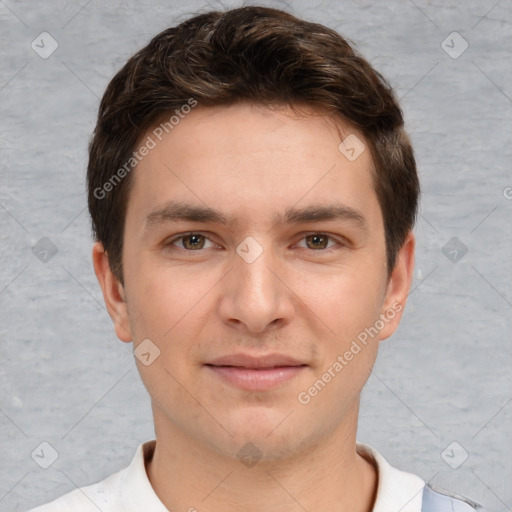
397	491
139	493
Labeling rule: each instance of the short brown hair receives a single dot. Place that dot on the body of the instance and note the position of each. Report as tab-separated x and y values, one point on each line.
254	54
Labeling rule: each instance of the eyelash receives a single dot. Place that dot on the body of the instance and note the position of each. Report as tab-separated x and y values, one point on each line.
340	242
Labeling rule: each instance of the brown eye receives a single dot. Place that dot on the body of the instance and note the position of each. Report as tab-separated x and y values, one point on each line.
191	242
317	241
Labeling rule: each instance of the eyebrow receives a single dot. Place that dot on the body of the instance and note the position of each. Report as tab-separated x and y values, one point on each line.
176	211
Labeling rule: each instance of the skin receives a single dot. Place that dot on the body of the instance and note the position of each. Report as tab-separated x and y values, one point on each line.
197	299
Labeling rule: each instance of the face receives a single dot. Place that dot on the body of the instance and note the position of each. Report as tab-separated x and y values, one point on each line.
254	263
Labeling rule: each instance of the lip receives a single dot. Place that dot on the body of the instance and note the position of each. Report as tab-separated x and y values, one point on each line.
256	362
256	373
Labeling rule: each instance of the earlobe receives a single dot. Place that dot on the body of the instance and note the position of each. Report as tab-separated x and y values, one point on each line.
398	287
113	293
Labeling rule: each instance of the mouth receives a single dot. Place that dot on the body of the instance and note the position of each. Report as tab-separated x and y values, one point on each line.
256	373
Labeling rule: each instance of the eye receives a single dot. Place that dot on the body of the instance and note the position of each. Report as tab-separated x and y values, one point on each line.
189	241
192	242
319	241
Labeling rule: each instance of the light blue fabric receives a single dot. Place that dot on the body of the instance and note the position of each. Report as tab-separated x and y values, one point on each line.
442	501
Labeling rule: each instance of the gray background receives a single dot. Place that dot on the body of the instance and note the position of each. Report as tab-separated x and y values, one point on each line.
443	378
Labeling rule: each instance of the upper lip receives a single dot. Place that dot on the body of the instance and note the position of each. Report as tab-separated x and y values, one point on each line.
248	361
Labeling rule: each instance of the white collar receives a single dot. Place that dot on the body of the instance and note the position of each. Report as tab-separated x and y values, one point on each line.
138	494
397	491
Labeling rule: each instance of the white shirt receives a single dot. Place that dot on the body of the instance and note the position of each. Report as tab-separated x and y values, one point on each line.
129	490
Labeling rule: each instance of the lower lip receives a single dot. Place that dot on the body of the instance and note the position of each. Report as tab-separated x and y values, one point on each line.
256	380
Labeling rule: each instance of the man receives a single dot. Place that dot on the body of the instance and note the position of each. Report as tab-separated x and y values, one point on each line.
253	193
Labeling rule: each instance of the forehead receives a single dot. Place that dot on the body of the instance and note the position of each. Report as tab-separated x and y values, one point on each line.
251	158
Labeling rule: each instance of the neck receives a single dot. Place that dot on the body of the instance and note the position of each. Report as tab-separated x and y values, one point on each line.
331	475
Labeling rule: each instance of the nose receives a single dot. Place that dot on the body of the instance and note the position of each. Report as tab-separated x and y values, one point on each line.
255	294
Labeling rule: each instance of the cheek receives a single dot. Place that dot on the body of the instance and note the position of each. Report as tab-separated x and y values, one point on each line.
346	301
162	298
349	305
173	310
164	307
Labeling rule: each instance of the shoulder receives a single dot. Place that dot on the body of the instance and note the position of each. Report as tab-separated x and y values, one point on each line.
126	490
102	494
440	500
398	490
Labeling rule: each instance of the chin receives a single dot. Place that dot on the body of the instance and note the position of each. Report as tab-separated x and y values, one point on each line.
273	432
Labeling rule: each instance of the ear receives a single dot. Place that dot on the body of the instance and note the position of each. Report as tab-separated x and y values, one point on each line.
398	288
113	293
